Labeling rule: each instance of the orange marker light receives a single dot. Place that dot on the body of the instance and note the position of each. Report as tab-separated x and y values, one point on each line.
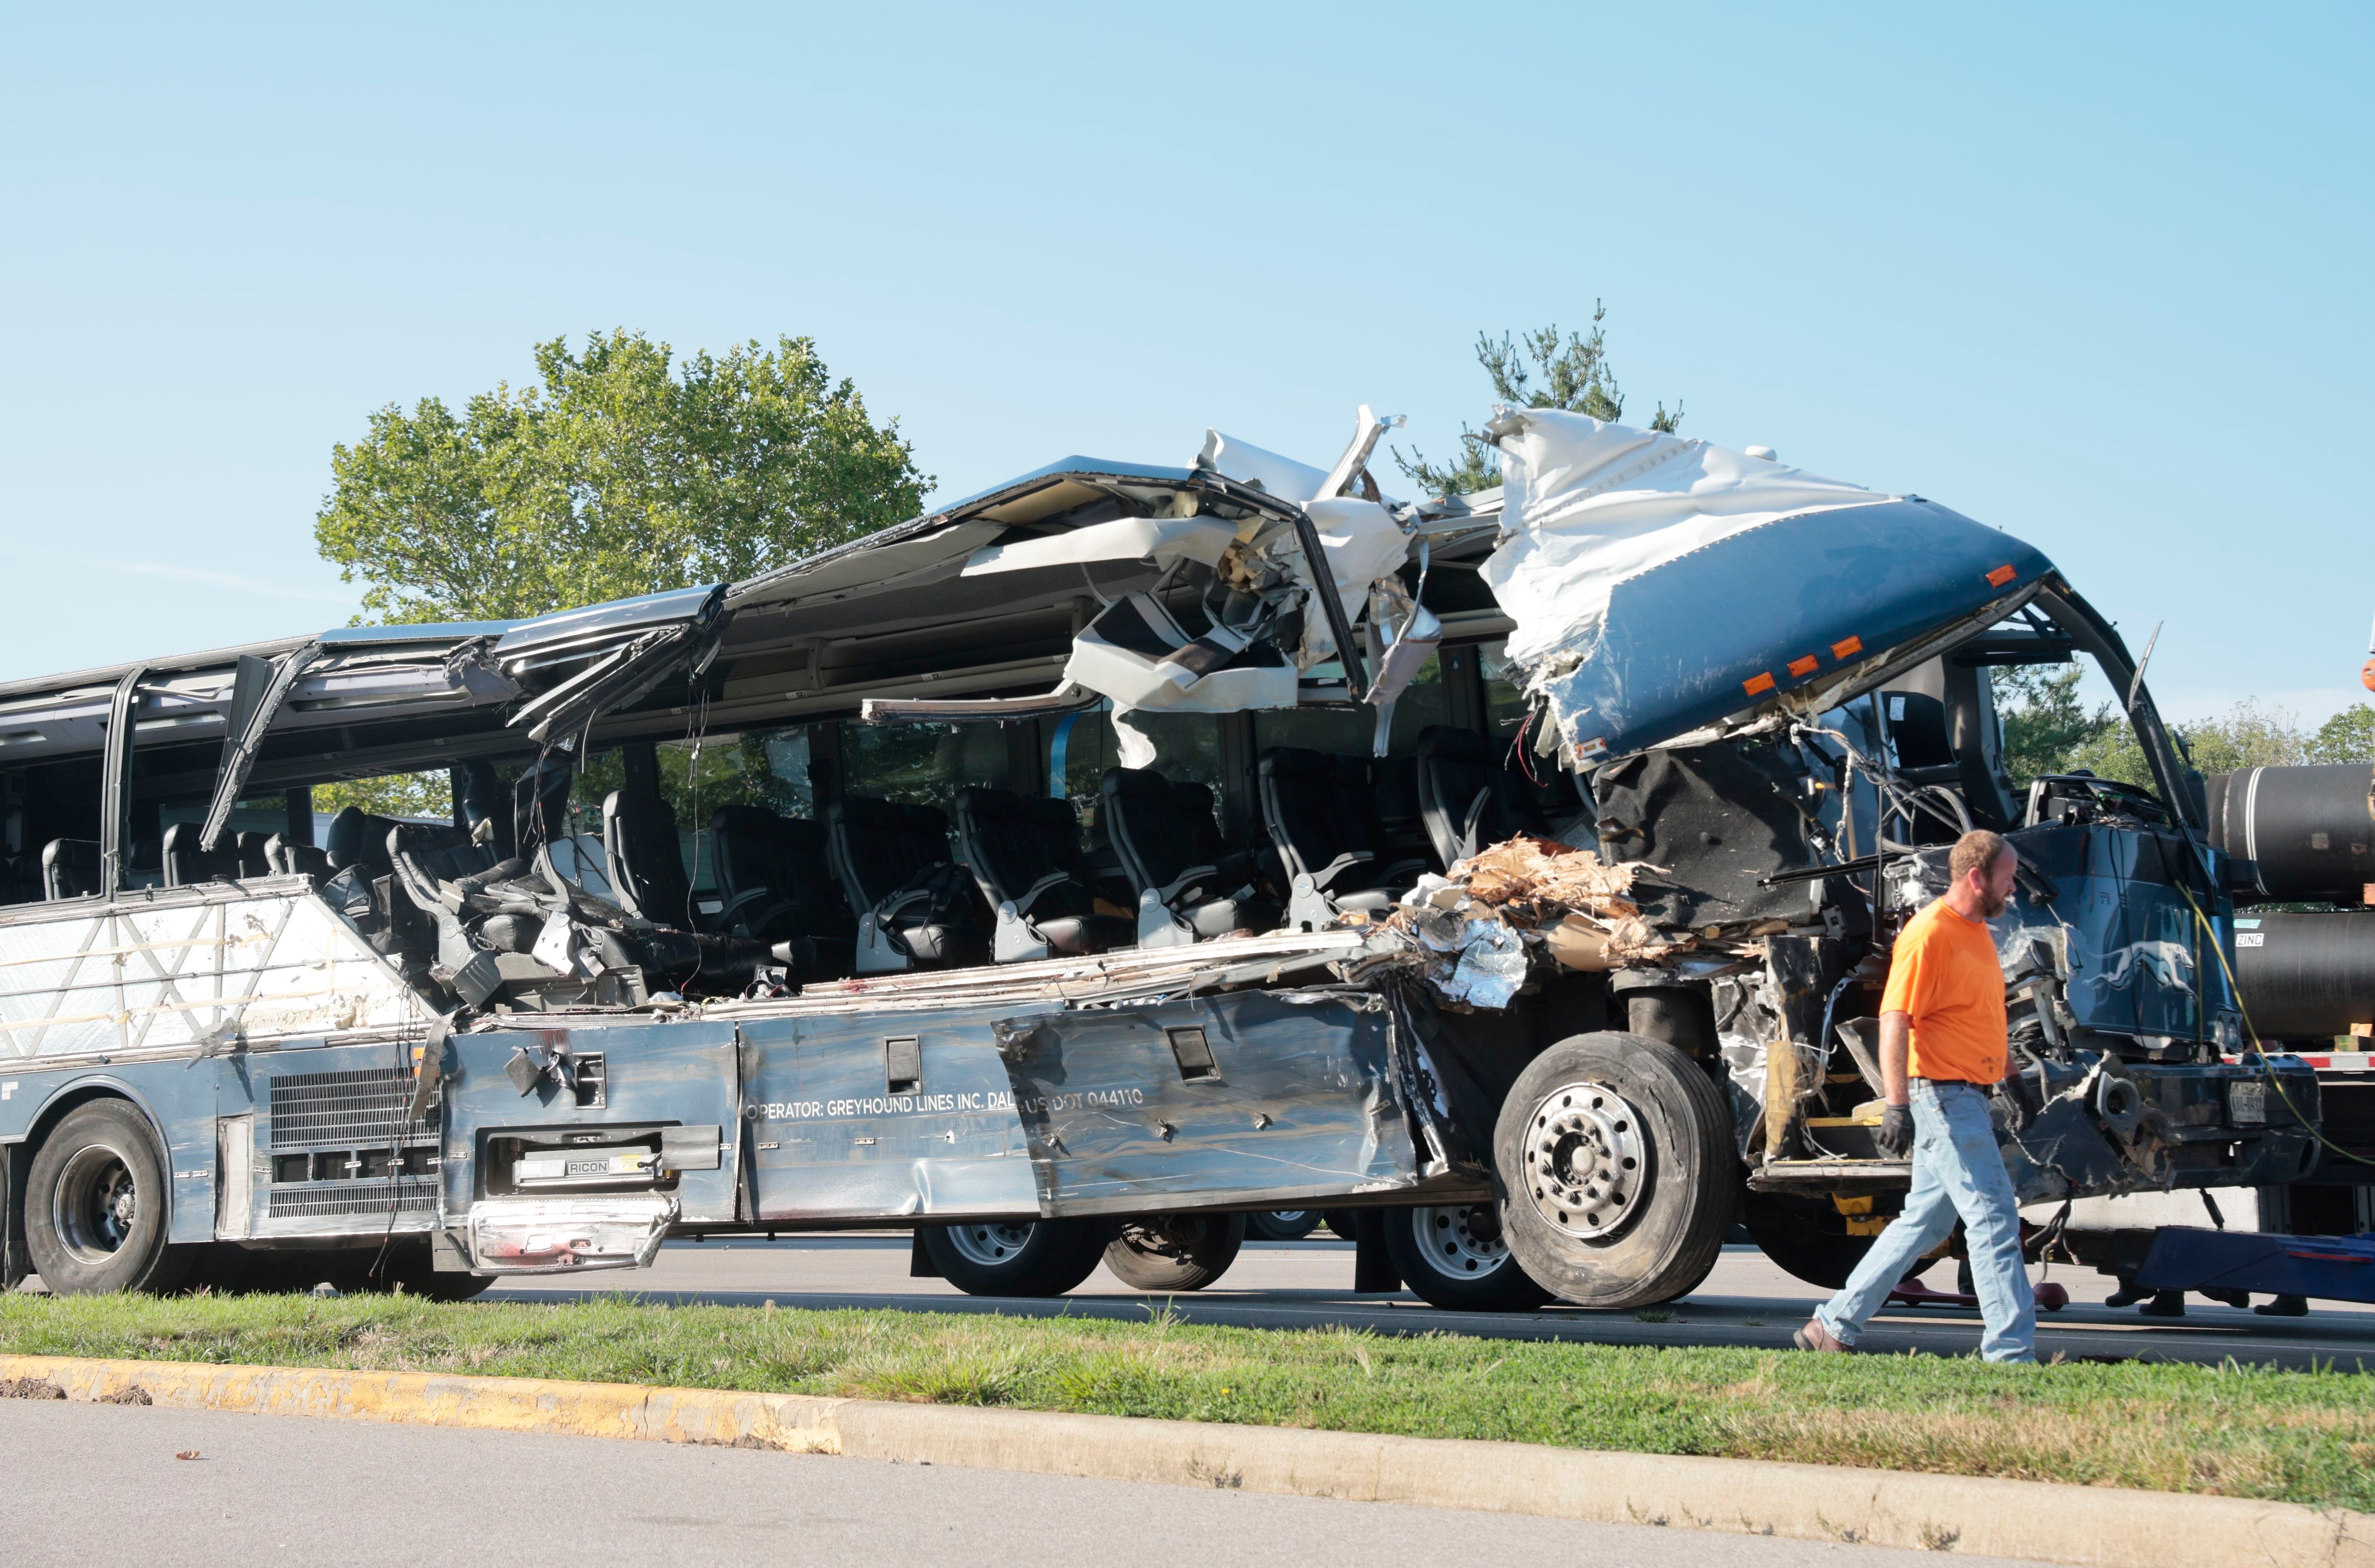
1758	684
2001	575
1847	649
1800	669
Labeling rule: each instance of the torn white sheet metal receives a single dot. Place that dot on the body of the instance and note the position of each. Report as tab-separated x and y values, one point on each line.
1080	978
1161	540
1363	543
1251	465
1133	654
558	1235
269	961
1403	635
1660	584
1586	504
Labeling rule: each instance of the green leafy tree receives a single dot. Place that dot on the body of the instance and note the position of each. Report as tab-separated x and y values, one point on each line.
2249	734
1541	369
622	472
2348	737
2044	722
425	795
2048	730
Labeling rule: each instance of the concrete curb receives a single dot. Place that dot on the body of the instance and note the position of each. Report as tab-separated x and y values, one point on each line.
2094	1527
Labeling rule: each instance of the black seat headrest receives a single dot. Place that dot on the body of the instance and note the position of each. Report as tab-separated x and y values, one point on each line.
755	820
889	816
1297	762
1134	784
356	837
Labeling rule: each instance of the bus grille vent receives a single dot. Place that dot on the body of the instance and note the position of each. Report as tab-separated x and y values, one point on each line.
326	1199
362	1108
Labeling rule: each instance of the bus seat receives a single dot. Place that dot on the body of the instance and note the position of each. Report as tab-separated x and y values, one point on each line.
358	838
1402	821
1469	802
1321	813
285	858
917	908
1190	885
776	887
646	857
70	869
1025	852
185	865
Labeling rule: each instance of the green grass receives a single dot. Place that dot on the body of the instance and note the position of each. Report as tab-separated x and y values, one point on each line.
2305	1437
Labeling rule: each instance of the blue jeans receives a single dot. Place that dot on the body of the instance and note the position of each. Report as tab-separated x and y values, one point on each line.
1956	1171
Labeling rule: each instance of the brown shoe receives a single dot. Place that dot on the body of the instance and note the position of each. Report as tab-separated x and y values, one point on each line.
1814	1337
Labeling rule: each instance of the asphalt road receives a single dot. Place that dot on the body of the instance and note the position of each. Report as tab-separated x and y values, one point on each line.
1747	1301
101	1484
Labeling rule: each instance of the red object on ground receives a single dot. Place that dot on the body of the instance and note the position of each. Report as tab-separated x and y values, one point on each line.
2050	1296
1913	1292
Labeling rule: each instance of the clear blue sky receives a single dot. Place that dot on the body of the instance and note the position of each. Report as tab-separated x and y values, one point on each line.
2101	281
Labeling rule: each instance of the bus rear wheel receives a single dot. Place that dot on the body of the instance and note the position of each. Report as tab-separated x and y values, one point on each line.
1455	1257
1174	1252
96	1206
1020	1257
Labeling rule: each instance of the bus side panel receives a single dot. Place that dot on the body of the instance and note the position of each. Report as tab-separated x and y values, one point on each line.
1125	1114
649	1074
1252	1099
331	1147
864	1115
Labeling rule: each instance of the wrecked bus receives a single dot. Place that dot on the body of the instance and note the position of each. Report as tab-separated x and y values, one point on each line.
1072	870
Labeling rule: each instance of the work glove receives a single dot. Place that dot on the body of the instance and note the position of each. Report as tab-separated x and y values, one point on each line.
1896	1136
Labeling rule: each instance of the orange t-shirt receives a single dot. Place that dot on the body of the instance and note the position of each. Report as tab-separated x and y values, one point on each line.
1945	976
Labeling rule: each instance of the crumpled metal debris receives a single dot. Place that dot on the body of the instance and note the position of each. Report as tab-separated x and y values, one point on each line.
1475	932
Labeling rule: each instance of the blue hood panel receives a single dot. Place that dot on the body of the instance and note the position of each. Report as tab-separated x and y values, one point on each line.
1771	610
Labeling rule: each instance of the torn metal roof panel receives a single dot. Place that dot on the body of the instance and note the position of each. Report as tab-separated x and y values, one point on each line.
1659	584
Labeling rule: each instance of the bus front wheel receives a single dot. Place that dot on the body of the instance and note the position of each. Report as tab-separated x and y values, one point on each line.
96	1206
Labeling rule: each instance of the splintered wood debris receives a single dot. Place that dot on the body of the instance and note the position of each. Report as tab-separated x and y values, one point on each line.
1473	930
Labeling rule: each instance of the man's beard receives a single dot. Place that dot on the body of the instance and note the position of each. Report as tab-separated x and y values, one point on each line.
1993	904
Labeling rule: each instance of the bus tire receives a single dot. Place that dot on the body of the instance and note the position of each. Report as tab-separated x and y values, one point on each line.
1282	1224
96	1206
1618	1170
1174	1252
1022	1257
1455	1258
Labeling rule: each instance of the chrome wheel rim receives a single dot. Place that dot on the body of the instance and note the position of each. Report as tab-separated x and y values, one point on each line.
1465	1243
96	1205
990	1246
1587	1162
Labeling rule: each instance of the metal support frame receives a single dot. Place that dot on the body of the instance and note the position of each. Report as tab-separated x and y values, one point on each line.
115	794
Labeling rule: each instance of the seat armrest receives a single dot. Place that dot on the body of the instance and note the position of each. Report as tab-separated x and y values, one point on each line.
897	901
1325	876
1171	891
1031	894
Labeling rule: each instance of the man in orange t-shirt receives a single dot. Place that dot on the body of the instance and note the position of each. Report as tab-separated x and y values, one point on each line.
1941	1052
